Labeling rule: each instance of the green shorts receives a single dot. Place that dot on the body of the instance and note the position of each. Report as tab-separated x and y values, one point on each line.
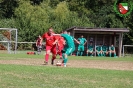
68	50
90	50
81	48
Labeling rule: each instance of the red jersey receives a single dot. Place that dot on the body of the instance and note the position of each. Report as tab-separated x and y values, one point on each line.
38	42
49	39
60	40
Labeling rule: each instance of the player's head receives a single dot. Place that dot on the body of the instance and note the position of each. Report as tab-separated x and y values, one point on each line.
105	44
112	44
64	32
61	32
82	36
90	43
50	30
68	33
39	36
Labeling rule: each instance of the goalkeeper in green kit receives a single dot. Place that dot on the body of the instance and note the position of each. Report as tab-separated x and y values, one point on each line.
82	42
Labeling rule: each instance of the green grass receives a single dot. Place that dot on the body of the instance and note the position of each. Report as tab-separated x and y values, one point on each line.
25	56
24	76
18	76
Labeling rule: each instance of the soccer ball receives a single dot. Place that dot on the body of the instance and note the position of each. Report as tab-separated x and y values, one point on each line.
58	63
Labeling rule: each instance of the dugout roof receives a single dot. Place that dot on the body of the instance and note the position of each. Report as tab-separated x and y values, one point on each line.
86	29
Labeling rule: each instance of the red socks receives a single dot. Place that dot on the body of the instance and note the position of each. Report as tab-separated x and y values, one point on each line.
46	57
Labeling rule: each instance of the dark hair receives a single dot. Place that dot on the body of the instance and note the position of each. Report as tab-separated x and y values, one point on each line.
91	42
64	31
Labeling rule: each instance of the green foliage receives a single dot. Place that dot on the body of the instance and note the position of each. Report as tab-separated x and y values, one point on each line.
34	17
7	23
7	8
32	20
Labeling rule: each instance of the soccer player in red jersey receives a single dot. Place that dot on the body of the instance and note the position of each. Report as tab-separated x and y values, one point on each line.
61	44
39	44
50	43
58	47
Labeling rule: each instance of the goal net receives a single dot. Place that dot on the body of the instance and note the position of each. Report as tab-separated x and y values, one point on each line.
128	50
8	40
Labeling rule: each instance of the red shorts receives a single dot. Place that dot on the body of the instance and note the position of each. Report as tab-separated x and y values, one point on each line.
61	48
51	48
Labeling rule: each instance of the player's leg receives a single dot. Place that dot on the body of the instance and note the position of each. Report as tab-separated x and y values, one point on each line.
38	49
87	52
60	54
98	53
48	50
101	53
104	53
64	56
68	51
91	53
60	48
114	53
54	54
110	52
53	58
82	50
78	50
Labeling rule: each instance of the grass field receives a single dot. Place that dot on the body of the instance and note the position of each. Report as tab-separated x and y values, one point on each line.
41	76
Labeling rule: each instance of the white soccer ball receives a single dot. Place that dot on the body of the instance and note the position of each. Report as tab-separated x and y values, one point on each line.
58	63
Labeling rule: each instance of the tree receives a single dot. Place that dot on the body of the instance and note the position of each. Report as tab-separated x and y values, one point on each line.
31	21
7	8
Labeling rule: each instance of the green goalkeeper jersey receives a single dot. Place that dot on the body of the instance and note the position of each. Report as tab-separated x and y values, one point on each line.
82	41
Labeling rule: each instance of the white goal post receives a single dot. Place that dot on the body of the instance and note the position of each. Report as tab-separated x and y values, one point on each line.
8	39
124	48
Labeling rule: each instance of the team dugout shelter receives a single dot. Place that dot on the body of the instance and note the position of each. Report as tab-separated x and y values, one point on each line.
100	36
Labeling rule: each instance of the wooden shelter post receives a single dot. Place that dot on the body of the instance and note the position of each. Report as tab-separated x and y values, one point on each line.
95	43
120	44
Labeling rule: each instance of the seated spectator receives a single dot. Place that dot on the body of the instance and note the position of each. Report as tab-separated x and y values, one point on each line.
90	49
112	50
105	49
99	50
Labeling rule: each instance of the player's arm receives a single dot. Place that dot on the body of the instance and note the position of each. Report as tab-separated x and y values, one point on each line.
85	41
76	40
57	34
41	41
36	42
114	49
56	40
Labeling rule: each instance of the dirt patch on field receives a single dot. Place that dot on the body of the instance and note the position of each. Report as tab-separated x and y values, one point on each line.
114	65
